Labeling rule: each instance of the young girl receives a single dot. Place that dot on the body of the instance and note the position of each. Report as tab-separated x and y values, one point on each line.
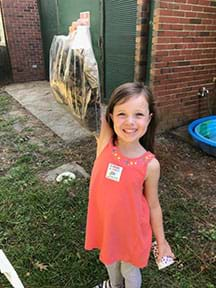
124	207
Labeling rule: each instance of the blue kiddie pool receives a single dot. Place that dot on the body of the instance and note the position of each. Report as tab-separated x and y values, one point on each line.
203	132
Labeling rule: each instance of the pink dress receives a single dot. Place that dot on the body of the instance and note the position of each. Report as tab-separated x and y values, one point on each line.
118	219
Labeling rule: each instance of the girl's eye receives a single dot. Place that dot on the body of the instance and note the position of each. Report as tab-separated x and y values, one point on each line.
121	114
140	114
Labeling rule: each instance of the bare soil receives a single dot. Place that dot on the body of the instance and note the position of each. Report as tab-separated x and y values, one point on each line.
191	171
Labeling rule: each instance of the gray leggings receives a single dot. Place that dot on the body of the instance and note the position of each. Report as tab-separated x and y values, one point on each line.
120	271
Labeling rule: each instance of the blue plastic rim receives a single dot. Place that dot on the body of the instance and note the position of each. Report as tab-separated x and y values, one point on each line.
203	132
207	130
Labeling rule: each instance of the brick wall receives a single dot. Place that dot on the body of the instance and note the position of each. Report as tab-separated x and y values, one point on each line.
142	31
22	25
183	58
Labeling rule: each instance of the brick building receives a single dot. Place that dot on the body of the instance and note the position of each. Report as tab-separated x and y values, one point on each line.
175	52
182	58
22	27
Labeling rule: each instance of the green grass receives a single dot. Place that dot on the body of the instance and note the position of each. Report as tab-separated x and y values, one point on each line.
42	229
42	226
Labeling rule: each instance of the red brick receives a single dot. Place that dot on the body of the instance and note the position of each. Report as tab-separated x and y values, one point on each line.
185	62
22	25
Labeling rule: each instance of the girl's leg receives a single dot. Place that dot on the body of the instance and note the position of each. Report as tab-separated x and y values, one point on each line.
132	275
115	276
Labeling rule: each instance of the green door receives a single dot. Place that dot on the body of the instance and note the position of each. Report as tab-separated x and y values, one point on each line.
119	42
57	16
113	31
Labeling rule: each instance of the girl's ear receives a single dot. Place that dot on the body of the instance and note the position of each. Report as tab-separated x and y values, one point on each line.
150	117
111	116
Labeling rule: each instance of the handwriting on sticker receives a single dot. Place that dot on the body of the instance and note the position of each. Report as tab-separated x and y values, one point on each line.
114	172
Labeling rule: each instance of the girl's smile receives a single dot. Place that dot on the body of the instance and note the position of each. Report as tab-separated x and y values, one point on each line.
131	119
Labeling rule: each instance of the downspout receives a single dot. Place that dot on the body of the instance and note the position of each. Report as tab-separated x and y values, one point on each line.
149	50
57	16
101	44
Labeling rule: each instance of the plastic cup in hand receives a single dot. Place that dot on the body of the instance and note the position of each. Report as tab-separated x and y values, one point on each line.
165	260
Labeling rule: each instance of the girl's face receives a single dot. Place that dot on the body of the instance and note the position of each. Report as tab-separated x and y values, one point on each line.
131	119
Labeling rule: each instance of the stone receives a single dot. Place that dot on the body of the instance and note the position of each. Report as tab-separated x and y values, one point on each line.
73	167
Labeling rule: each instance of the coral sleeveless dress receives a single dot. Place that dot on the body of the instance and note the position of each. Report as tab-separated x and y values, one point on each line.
118	219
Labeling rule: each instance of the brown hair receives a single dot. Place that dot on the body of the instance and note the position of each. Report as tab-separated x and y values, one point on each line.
120	95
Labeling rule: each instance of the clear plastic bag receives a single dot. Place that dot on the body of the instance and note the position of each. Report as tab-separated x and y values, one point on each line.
74	76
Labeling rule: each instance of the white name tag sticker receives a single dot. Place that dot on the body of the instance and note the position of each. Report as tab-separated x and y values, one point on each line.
114	172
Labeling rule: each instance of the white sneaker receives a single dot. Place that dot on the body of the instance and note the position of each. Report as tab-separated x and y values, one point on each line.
105	284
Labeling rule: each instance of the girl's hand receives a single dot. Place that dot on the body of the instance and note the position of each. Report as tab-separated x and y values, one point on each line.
164	249
104	135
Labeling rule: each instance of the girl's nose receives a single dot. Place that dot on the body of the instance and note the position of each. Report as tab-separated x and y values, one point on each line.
130	119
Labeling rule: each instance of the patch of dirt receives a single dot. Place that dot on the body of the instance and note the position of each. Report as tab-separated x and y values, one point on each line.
191	171
30	130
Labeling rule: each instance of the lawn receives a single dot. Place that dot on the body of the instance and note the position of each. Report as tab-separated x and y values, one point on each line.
42	225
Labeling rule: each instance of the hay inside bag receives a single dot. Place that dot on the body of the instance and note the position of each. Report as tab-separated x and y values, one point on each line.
74	76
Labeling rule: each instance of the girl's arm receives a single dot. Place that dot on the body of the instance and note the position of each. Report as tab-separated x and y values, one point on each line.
151	194
104	135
